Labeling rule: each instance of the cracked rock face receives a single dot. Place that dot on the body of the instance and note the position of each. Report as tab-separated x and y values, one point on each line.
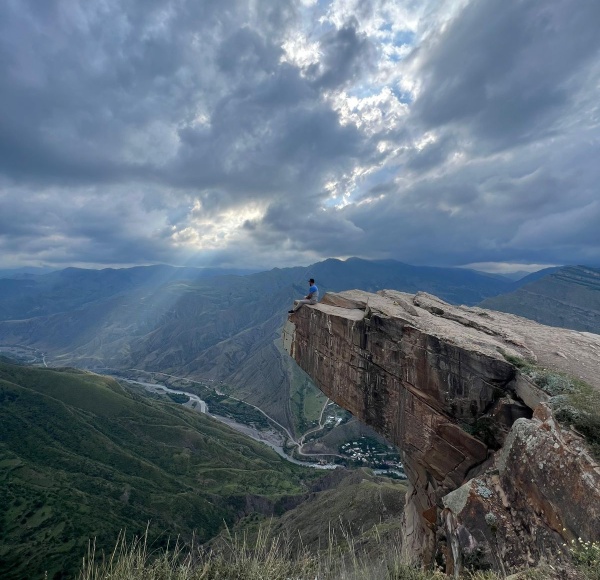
434	380
542	491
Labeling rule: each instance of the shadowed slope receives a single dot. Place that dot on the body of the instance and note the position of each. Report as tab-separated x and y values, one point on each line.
82	458
568	298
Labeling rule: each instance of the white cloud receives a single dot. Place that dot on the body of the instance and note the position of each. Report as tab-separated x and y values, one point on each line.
300	51
374	113
506	267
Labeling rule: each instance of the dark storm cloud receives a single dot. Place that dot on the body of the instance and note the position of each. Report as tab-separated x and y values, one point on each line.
508	171
508	70
245	52
90	93
81	228
538	207
148	130
432	155
302	229
193	97
60	74
346	54
273	138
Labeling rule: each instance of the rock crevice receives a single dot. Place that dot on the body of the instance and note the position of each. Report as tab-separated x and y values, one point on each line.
436	380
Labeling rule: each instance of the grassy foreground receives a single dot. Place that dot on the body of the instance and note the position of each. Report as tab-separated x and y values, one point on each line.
270	558
264	558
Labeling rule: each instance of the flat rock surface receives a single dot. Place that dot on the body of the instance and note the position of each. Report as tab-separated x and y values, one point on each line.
491	332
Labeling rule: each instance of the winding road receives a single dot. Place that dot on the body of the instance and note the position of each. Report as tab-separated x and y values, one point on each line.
299	443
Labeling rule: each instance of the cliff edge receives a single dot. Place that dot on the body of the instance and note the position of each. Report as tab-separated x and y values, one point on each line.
470	396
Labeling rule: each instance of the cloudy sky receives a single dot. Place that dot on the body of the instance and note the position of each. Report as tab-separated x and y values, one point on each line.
261	133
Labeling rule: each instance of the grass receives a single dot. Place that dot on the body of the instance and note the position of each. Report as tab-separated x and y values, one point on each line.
268	557
574	402
350	505
306	403
313	404
586	556
265	558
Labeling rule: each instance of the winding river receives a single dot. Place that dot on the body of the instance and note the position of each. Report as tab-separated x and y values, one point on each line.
271	438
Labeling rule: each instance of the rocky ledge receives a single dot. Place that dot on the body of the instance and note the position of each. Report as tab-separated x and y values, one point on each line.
495	480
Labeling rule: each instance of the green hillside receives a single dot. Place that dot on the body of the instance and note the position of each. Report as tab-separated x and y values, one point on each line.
360	507
81	457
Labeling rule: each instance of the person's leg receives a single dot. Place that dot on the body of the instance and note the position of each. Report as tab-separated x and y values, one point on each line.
298	303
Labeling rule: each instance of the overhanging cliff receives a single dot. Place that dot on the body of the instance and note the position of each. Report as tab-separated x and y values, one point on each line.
440	382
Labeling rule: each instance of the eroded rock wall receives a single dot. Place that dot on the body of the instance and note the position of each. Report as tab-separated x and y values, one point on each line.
541	492
435	380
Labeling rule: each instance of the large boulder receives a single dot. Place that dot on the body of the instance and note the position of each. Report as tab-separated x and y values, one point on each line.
439	381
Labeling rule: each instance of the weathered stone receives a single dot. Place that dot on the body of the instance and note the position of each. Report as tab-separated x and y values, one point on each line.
494	427
527	392
429	376
337	300
544	491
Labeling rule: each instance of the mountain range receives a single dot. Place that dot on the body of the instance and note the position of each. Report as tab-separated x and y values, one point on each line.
73	442
203	324
183	322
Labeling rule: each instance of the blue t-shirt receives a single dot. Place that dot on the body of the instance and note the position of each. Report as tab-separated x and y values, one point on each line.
314	291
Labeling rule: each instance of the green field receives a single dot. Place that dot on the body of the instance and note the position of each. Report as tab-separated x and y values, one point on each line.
306	403
81	457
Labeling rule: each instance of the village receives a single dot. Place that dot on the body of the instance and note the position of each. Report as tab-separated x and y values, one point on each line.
369	452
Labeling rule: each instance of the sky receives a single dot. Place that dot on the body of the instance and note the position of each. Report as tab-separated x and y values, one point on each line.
264	133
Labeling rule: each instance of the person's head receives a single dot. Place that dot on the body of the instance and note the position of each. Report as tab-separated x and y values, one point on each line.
311	281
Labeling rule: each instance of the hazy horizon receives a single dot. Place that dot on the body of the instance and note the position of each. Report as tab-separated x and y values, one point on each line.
509	270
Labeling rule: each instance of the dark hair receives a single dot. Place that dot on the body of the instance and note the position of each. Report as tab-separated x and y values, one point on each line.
312	280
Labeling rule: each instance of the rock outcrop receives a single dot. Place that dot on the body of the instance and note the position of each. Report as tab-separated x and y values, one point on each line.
495	480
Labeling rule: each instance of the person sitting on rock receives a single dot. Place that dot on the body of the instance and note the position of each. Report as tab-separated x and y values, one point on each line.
311	298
